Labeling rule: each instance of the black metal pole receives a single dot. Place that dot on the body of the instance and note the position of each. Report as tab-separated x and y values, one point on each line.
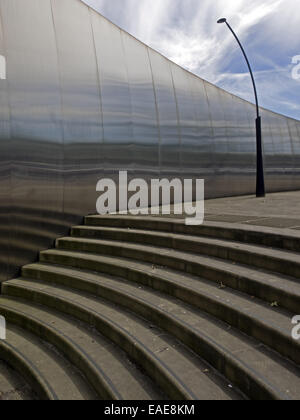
260	177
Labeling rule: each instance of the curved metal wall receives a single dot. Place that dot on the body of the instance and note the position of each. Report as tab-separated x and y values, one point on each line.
84	99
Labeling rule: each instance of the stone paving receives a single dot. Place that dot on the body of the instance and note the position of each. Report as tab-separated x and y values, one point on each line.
279	210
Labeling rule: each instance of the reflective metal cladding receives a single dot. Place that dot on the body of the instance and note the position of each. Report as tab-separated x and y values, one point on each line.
83	99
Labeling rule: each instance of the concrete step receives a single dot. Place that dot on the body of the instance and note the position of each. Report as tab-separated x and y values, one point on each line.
36	235
105	368
285	262
12	386
268	287
51	377
270	326
149	308
271	237
264	284
174	368
37	221
240	359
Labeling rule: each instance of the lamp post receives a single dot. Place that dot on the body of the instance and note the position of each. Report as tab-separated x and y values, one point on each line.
260	179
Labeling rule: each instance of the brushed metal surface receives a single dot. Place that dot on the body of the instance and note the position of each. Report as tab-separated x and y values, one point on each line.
83	99
167	111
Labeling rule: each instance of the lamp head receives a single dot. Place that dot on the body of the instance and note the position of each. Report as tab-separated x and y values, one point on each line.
223	20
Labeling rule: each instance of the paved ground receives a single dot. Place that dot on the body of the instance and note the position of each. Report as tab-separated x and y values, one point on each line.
280	210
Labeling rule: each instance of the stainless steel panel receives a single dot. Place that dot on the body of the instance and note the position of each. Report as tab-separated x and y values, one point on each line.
246	130
144	118
296	145
5	169
249	142
169	131
286	158
81	106
269	150
278	163
217	102
84	99
186	115
294	130
268	143
197	141
36	136
241	166
197	154
115	94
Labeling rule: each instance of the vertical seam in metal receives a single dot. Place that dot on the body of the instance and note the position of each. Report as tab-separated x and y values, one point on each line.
97	62
129	86
213	148
157	112
178	118
98	74
62	108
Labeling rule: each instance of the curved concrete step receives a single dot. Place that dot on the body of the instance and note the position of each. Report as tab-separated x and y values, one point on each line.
106	368
49	374
257	372
33	234
47	223
171	365
268	325
12	386
265	285
271	237
284	262
140	305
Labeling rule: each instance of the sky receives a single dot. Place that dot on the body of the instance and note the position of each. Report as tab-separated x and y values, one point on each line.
186	32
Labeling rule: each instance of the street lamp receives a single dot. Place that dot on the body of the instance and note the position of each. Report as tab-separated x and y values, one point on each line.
260	179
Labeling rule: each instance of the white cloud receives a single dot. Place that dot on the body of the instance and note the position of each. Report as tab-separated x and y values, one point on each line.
186	32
